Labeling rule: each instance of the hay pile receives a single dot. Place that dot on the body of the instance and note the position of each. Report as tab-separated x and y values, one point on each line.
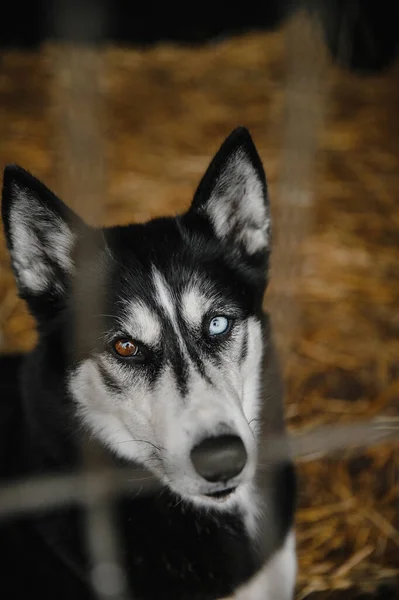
168	109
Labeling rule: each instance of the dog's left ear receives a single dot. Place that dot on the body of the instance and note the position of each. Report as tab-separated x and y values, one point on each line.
41	232
232	196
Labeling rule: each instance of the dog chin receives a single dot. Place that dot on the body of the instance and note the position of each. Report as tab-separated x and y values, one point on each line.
222	495
220	500
224	500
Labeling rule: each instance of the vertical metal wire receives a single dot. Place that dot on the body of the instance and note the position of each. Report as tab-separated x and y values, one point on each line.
80	123
80	119
303	117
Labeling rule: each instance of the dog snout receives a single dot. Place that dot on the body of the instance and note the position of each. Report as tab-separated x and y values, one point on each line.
219	458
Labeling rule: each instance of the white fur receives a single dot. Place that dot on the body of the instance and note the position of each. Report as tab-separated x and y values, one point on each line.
195	304
29	253
276	581
141	323
167	302
237	204
226	400
119	421
164	296
208	407
251	373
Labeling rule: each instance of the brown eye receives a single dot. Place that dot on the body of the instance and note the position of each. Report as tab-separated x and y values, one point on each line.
126	348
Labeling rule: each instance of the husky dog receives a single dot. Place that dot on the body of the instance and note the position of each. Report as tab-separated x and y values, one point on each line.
181	378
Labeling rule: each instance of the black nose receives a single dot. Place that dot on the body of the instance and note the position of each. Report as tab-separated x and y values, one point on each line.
219	458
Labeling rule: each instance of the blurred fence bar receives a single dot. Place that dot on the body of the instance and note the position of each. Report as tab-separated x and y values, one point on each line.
305	97
102	484
80	123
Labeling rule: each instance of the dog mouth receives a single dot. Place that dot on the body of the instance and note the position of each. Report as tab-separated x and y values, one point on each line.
221	495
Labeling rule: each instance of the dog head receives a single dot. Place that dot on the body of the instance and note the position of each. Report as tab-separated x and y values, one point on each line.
171	379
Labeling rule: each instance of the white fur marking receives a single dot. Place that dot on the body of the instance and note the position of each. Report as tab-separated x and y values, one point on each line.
251	370
166	301
276	581
194	306
164	295
142	323
125	419
121	421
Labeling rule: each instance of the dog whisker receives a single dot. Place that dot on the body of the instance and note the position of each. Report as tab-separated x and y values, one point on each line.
135	479
159	448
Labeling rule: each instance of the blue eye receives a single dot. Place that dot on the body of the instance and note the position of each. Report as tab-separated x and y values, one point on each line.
218	325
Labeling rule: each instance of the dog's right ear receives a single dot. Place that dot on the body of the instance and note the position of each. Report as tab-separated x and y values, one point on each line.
232	197
41	232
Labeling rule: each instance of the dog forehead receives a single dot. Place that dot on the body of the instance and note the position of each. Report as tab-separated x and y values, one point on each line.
188	299
165	300
157	286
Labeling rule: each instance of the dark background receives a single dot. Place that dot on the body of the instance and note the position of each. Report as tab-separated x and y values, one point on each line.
362	35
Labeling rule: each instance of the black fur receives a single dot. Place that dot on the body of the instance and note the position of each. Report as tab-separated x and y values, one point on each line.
170	550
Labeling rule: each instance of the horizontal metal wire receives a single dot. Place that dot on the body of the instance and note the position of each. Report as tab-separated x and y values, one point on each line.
90	487
78	74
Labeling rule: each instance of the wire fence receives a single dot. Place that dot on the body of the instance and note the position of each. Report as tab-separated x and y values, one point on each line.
81	121
103	483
